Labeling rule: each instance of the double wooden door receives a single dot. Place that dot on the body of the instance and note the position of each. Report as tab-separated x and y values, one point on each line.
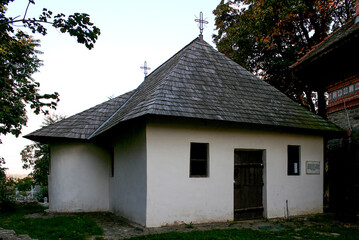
248	184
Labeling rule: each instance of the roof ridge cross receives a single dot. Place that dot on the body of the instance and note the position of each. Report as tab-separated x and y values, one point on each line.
201	21
145	68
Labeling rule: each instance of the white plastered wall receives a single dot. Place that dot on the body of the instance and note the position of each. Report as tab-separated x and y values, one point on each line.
78	179
128	185
173	197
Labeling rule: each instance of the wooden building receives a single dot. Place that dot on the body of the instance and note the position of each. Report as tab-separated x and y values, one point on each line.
333	66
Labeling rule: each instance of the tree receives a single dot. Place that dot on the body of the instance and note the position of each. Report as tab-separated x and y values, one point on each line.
6	186
24	184
37	156
19	60
267	36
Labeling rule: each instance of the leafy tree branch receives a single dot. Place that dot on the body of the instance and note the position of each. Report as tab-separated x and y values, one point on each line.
267	36
19	61
36	156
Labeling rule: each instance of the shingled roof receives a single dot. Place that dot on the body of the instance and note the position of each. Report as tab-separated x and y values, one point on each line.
83	124
348	33
197	82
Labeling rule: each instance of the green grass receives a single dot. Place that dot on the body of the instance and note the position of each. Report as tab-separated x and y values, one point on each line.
62	227
248	234
320	227
80	226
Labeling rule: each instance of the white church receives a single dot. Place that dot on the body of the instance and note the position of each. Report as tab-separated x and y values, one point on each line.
200	140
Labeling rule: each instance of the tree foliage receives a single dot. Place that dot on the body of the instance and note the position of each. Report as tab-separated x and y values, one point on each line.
19	60
24	184
37	156
6	187
267	36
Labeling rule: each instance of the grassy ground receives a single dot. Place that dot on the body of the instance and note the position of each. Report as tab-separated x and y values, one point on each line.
247	234
62	227
322	226
82	226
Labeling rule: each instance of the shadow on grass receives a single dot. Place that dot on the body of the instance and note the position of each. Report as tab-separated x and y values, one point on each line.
62	227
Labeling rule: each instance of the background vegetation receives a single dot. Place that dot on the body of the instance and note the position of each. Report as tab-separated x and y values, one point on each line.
268	36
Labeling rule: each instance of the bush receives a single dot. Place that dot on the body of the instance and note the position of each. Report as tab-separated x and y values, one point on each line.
44	192
7	205
6	191
24	184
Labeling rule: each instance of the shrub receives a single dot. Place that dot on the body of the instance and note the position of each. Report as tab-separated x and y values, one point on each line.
44	192
24	184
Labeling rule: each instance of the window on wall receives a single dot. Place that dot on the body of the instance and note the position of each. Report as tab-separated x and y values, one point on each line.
293	160
199	160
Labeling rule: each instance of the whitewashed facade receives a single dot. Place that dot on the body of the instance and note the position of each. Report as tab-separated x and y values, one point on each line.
79	177
174	149
151	183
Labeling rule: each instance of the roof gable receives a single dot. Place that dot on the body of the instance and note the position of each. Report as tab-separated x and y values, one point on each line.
198	82
83	124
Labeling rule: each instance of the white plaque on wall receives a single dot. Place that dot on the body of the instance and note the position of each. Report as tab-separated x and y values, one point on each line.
313	167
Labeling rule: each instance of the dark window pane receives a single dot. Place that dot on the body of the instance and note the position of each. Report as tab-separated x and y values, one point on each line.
198	168
293	160
199	160
199	150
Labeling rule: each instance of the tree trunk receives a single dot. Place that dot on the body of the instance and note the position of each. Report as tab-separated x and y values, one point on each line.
310	101
322	105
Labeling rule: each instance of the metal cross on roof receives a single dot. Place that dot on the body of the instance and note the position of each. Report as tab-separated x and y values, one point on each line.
145	68
201	21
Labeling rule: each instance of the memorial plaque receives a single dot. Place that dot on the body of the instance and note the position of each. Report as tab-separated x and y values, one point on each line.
313	167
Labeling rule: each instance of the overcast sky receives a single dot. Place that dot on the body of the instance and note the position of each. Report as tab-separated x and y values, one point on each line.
131	32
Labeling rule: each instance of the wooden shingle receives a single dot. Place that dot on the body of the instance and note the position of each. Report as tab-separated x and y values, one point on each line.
197	82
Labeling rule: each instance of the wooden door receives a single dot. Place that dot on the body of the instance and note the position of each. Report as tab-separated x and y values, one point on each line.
248	184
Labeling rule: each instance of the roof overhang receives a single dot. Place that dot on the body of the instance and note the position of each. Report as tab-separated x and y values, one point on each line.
334	58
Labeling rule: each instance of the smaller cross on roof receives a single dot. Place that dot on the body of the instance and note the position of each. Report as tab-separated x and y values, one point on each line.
201	21
145	68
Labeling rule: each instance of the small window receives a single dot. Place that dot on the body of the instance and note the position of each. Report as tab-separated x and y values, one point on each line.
199	160
293	160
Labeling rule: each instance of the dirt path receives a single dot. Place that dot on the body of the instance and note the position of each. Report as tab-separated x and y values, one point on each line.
117	228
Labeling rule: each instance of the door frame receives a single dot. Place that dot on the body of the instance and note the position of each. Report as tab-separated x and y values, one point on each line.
264	190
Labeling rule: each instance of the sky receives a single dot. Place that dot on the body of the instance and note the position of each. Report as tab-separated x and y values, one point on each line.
131	32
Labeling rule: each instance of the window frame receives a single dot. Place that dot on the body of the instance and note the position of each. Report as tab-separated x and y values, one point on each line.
193	159
293	157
